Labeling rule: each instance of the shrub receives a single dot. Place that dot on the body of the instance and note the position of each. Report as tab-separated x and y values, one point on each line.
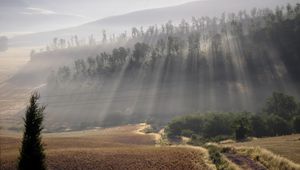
278	126
197	140
218	124
149	130
187	132
259	126
174	128
214	155
221	162
242	128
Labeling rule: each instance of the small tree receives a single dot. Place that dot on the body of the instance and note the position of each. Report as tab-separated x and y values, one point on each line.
32	152
259	126
242	128
174	128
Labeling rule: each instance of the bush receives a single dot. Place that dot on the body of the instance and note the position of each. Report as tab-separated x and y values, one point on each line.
214	155
174	128
220	138
242	128
185	126
259	126
197	140
221	126
187	132
278	126
194	123
210	126
218	124
148	130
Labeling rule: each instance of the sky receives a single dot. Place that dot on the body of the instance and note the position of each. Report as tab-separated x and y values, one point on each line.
26	16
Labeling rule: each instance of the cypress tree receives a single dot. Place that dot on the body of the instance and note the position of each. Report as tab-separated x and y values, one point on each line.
32	154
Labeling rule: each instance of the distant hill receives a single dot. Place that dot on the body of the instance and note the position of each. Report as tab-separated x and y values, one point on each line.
117	24
209	8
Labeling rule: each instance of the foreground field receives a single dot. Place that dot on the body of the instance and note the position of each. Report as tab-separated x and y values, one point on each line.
114	148
285	146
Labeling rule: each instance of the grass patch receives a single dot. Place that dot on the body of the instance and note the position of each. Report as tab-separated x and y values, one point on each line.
221	162
197	140
285	146
268	159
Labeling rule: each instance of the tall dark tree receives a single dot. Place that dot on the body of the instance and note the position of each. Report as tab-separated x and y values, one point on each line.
242	128
139	53
32	154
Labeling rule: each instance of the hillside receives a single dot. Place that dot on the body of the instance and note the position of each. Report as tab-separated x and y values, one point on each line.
203	85
117	24
210	64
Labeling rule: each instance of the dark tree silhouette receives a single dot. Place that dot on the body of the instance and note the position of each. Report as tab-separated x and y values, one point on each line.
242	128
32	154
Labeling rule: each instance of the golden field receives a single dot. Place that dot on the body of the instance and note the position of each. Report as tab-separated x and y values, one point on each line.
113	148
285	146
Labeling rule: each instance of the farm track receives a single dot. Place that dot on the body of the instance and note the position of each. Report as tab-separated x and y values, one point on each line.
244	162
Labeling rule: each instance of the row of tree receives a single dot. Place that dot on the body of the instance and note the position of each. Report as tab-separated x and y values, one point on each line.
223	44
280	116
240	23
222	64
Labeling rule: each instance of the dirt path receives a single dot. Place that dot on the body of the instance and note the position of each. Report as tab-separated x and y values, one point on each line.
244	162
241	161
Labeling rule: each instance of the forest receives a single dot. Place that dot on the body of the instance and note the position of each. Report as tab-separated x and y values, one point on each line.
225	64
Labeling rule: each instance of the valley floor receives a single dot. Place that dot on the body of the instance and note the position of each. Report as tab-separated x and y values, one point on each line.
126	147
113	148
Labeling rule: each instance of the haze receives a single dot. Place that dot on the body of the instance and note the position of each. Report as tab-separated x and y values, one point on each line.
108	81
27	16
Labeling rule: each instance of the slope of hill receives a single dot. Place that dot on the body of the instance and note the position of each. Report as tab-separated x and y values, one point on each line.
227	74
210	8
